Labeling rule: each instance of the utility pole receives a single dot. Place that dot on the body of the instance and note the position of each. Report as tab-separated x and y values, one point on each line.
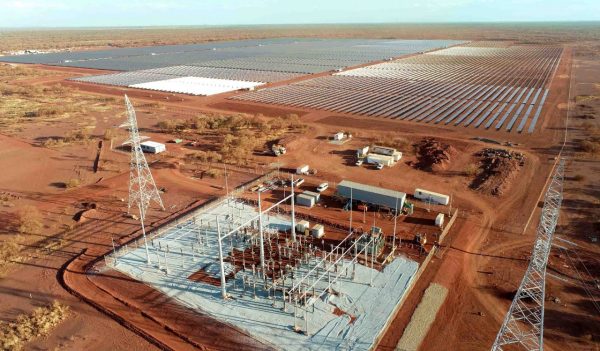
142	189
395	223
293	210
350	210
260	231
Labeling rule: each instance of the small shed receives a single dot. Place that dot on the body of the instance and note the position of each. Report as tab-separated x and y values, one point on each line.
305	200
153	147
317	231
302	169
383	150
439	220
362	152
381	159
302	226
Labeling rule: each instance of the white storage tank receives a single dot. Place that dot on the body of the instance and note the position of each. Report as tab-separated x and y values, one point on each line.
317	231
302	226
305	200
430	196
439	220
302	169
153	147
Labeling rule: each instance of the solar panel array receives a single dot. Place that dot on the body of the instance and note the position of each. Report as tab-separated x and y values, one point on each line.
265	61
487	87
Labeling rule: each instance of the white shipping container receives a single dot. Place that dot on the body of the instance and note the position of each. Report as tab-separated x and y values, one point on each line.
381	159
430	196
153	147
305	200
314	194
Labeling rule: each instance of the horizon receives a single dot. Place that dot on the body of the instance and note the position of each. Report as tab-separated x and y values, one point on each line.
589	22
41	14
199	26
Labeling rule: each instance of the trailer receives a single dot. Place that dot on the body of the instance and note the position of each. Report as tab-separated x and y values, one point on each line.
430	196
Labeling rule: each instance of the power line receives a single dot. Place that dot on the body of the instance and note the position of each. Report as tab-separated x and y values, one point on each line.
582	282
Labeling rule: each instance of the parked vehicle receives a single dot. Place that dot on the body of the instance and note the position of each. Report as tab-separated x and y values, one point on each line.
379	166
359	162
322	187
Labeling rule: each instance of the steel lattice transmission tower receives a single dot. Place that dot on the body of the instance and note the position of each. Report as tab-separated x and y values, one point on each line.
142	189
523	326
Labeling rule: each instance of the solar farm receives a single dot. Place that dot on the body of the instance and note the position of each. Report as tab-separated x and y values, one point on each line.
257	61
487	87
293	193
482	85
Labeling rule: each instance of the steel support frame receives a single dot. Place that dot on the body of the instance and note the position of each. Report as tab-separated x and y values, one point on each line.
524	322
142	188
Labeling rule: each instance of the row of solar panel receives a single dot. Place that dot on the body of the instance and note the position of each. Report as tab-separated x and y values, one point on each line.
524	73
411	108
452	95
